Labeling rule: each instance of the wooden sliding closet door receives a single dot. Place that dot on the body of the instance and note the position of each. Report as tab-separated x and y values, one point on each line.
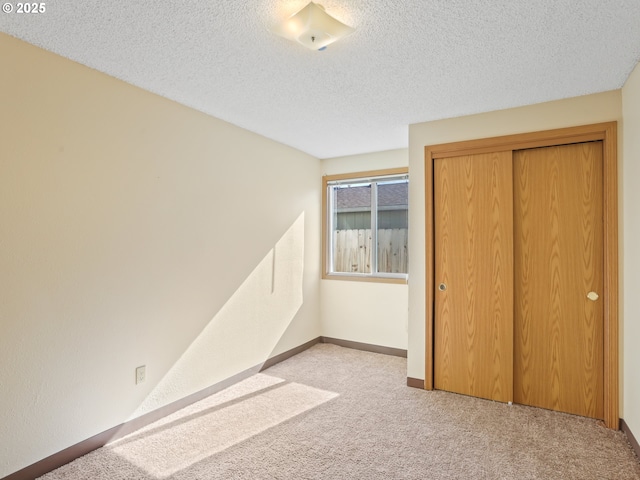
558	261
473	215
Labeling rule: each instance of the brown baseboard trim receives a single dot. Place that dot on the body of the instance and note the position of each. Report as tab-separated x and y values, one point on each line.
69	454
367	347
630	437
63	457
415	383
289	353
144	420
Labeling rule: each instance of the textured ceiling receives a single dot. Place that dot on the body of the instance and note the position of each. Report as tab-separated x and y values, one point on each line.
407	62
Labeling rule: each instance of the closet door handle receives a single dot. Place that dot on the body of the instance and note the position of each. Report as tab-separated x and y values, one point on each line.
442	287
593	296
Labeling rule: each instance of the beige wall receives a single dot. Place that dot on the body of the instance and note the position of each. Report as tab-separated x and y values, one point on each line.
564	113
136	231
374	313
630	233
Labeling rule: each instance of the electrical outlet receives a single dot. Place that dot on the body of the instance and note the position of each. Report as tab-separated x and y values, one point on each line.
141	374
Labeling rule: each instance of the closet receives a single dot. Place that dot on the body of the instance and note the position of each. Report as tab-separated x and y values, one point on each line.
521	270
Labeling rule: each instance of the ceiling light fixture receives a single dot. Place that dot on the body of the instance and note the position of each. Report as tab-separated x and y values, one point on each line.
313	27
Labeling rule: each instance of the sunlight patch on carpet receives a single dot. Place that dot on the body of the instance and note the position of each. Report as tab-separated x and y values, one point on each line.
163	451
249	386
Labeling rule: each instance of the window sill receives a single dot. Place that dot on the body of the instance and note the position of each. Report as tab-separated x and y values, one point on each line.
365	278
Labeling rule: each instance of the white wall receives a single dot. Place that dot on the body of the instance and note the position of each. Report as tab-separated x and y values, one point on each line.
584	110
136	231
630	173
374	313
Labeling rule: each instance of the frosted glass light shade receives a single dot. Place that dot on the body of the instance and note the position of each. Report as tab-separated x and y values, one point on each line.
313	27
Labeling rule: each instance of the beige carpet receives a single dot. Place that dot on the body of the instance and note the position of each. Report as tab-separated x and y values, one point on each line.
337	413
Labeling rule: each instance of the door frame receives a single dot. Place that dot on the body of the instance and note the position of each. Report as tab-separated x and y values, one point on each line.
605	132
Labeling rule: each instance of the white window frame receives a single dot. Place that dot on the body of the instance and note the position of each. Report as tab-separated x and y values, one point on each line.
372	177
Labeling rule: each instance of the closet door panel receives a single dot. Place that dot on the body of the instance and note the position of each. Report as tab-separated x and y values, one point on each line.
558	278
473	327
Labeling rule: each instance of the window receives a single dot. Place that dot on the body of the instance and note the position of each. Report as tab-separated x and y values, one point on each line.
366	225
